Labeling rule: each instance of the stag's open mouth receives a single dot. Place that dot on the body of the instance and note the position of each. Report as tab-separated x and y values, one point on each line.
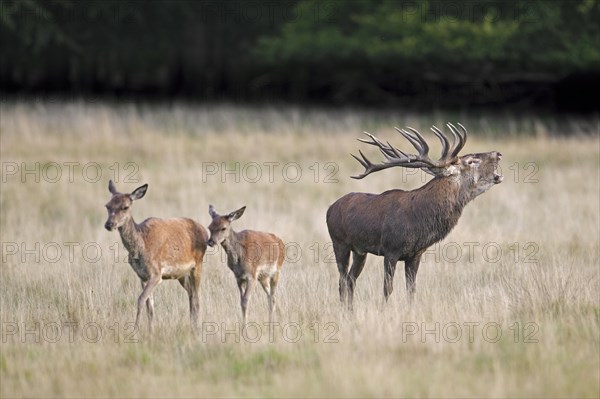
497	177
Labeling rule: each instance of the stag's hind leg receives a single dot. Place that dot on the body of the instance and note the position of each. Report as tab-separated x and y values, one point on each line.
342	257
358	263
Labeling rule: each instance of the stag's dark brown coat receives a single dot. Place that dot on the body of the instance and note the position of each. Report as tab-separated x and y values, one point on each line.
400	225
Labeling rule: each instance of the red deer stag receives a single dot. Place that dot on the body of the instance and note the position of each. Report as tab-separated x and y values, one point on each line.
159	249
251	256
400	225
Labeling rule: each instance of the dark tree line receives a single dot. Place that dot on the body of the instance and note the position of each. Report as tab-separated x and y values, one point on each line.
367	51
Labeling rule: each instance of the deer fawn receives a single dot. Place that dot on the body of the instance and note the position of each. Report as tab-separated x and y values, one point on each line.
400	225
251	255
159	249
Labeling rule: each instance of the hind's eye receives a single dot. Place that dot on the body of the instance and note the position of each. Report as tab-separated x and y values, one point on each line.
223	229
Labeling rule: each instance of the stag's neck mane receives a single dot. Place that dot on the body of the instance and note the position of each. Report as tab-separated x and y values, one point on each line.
441	202
448	192
132	237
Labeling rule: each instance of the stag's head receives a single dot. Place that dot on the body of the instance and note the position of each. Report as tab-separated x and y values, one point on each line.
221	224
119	206
476	173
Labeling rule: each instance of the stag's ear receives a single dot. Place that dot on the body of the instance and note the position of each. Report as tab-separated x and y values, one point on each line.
112	188
211	211
138	192
236	214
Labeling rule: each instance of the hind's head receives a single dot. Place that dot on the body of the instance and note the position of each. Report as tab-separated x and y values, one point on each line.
119	206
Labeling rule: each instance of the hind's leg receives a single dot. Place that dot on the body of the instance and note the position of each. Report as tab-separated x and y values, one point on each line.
194	294
269	284
149	307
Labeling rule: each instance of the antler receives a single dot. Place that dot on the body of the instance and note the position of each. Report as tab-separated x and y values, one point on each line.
396	157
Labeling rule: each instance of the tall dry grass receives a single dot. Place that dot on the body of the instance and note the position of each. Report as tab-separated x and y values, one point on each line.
507	305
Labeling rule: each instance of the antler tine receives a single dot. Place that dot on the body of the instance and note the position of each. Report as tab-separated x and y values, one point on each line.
456	139
368	165
374	140
397	152
387	150
443	140
457	136
421	139
364	161
413	140
464	133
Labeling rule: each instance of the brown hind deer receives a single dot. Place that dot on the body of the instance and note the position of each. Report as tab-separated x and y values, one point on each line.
400	225
159	249
251	256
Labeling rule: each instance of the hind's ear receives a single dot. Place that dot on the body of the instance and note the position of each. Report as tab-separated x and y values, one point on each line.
211	211
236	214
112	188
138	192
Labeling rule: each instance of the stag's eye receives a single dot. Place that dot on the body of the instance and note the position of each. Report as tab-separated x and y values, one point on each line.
222	228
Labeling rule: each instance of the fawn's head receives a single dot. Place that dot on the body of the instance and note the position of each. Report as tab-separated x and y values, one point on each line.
119	206
221	224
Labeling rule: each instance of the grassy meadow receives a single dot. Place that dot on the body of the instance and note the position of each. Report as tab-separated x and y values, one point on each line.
508	305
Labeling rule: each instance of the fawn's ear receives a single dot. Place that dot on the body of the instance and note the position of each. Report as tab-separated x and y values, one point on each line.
138	192
211	211
236	214
112	188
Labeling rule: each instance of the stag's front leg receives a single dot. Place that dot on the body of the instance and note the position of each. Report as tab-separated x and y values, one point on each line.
389	266
410	270
146	293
